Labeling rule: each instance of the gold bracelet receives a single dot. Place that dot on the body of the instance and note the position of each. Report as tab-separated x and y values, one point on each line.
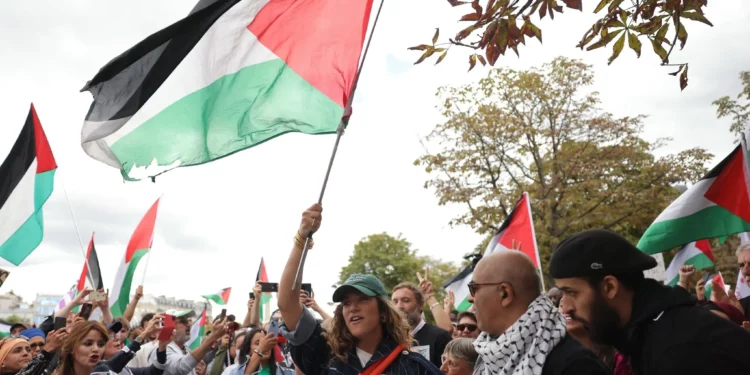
301	243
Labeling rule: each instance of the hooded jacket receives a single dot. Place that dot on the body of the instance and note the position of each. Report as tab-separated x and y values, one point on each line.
669	335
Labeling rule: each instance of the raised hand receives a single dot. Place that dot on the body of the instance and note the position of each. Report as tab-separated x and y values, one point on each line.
310	220
55	340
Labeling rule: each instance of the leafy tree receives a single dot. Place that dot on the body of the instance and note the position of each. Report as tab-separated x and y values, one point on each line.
392	260
13	319
740	113
541	131
505	24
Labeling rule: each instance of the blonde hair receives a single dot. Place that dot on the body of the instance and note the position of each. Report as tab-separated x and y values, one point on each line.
77	334
462	348
395	327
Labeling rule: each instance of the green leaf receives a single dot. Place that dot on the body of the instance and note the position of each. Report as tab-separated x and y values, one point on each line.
435	37
441	57
634	43
425	55
684	78
601	5
663	31
603	41
617	48
695	16
678	71
614	5
682	35
659	50
472	62
420	47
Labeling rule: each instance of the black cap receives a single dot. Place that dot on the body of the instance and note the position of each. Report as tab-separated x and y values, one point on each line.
115	326
597	252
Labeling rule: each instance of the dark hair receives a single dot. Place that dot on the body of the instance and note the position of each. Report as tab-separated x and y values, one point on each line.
244	355
631	280
468	314
414	290
146	318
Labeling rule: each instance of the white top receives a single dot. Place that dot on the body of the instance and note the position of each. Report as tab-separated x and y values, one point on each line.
417	328
364	357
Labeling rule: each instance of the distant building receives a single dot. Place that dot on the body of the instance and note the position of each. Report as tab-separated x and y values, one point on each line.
44	306
12	307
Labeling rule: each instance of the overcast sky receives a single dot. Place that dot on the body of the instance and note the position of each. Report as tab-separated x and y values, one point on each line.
217	220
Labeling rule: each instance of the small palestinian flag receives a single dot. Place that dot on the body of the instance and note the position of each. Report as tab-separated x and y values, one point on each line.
518	229
715	281
91	271
197	331
716	206
231	75
696	254
27	177
220	298
265	298
138	247
459	286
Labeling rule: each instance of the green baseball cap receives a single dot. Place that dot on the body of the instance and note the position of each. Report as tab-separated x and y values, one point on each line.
368	285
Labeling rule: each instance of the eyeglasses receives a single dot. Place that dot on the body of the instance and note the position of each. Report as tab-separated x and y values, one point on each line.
468	327
473	287
452	364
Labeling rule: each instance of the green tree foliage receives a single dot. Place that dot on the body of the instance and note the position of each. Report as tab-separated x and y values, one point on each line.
734	108
13	319
541	131
503	25
392	260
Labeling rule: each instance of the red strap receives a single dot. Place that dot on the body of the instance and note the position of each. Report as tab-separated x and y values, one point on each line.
380	365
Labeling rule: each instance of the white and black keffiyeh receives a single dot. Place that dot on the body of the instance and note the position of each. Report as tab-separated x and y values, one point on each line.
523	348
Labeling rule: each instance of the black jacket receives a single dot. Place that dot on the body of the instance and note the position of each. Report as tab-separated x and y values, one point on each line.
668	334
569	357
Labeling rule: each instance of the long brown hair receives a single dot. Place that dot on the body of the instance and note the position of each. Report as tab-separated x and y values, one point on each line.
76	336
395	327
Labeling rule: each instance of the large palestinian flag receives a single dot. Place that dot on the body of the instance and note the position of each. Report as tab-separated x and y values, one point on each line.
229	76
139	245
518	229
716	206
27	177
696	254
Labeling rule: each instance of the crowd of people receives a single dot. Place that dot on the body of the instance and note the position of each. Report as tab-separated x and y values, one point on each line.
603	317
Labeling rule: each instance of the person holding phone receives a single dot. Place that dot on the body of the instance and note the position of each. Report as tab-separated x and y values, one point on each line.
257	354
369	335
181	360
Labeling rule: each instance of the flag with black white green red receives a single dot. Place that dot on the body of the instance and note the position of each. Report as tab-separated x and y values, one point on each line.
221	297
265	298
716	206
517	232
91	271
231	75
139	246
697	254
198	330
715	281
27	178
459	285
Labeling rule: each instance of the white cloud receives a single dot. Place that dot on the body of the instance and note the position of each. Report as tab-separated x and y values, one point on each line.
217	220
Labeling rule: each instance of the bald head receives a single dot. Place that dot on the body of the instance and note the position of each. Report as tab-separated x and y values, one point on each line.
514	267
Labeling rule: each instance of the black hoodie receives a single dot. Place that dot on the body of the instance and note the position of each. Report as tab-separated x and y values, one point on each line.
667	334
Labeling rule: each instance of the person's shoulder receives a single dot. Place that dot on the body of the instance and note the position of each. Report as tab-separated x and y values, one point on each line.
419	361
435	330
570	357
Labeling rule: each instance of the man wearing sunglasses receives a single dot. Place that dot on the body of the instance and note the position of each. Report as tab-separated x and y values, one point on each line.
522	331
467	325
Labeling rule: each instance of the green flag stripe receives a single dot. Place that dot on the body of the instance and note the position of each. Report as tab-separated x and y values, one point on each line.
118	309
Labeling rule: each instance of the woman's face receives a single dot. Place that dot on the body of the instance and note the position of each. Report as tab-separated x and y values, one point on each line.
91	349
18	358
467	327
36	343
361	314
455	366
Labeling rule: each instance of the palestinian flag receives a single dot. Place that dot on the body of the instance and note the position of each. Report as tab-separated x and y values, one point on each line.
91	271
139	245
459	286
27	178
197	331
716	206
696	253
220	298
265	298
715	281
517	228
229	76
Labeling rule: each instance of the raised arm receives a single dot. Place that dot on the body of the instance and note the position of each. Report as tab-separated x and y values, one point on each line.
130	310
288	298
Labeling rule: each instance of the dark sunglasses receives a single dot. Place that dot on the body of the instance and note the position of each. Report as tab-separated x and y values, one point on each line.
467	327
36	345
473	287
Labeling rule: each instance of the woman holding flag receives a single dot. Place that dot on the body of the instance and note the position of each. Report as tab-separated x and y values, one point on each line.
369	335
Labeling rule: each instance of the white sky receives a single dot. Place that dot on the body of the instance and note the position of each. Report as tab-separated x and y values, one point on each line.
217	220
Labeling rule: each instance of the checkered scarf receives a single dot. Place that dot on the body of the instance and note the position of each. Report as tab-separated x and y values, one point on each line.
523	348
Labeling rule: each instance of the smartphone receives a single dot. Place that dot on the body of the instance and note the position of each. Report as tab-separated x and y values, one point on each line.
86	309
252	296
223	314
269	287
96	295
706	277
274	328
308	289
60	322
168	324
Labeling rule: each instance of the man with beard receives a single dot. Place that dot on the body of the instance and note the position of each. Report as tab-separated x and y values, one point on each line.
181	360
658	328
431	340
522	331
743	259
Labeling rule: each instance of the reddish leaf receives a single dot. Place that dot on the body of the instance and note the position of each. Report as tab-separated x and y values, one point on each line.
501	38
543	11
472	61
477	7
492	53
420	47
441	57
617	49
489	34
634	43
465	32
695	16
482	60
684	78
470	17
435	37
456	3
574	4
